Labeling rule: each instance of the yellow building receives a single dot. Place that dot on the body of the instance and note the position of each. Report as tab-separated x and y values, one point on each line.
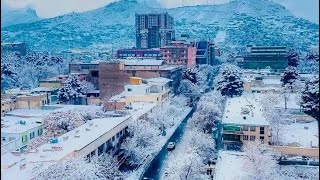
153	90
8	105
11	102
243	121
50	83
31	101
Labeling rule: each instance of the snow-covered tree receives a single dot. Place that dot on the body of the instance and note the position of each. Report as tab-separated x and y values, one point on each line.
107	167
259	162
75	168
310	97
60	121
230	82
206	117
184	166
191	75
203	144
290	77
70	90
293	58
186	87
86	87
142	136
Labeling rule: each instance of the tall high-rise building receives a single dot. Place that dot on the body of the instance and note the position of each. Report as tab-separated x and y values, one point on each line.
154	30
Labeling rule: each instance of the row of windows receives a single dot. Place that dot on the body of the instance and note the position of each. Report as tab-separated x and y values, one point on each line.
252	138
253	128
105	146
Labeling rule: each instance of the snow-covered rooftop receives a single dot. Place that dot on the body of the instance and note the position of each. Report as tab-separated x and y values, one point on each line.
117	98
28	112
12	124
97	127
142	62
43	89
271	81
235	106
168	68
140	89
158	80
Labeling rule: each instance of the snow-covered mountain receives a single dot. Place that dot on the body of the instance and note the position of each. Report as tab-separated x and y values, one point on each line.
18	16
241	22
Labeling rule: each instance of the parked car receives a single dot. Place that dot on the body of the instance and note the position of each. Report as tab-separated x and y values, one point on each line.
171	145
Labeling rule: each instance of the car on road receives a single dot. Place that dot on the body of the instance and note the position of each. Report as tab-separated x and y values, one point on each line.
145	178
171	145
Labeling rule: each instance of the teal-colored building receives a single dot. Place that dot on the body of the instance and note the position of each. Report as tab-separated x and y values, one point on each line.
262	57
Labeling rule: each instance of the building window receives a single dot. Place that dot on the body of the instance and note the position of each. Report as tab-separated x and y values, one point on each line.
100	149
113	138
118	135
261	130
252	128
129	89
3	138
252	138
262	139
39	132
245	128
32	135
93	153
245	137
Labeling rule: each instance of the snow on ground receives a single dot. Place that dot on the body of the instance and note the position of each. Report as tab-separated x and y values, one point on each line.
296	132
220	37
229	166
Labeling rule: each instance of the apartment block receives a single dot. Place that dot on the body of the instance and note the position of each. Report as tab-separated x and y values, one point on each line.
154	30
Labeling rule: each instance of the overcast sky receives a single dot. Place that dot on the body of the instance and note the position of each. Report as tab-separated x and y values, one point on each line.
308	9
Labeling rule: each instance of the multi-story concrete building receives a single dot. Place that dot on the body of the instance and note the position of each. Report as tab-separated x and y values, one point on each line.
206	52
179	53
136	53
243	121
114	75
261	57
154	30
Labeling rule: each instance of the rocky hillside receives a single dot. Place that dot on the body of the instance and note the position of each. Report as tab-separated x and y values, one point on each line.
241	22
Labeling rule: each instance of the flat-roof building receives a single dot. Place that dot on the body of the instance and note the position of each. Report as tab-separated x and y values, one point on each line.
260	57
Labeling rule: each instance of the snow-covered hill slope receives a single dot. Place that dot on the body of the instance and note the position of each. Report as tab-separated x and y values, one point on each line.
11	17
260	22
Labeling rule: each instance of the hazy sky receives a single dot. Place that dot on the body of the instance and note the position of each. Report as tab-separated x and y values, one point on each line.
308	9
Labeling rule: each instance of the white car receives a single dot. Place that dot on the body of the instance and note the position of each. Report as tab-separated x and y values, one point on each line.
171	145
